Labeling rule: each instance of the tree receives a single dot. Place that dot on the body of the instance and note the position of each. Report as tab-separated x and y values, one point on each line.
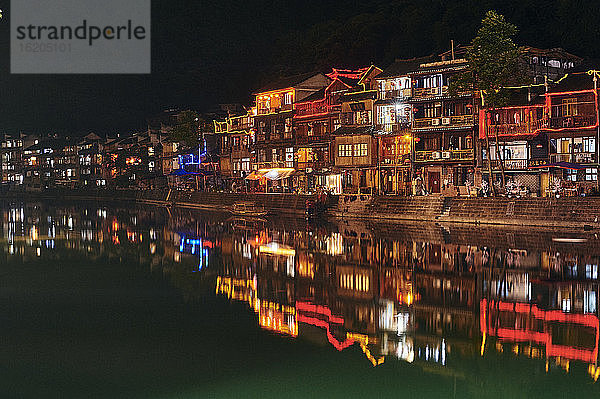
187	129
495	62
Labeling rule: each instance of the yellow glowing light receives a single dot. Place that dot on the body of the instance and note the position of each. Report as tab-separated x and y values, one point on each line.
275	249
483	343
361	338
375	362
33	233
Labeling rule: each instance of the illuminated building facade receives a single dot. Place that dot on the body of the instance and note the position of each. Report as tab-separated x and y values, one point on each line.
394	117
443	126
236	135
11	160
274	145
315	119
550	146
355	147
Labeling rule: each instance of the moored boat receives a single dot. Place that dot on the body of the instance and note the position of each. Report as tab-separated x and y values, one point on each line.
248	209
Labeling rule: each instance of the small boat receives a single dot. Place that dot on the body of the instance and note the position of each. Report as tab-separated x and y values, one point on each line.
569	240
248	209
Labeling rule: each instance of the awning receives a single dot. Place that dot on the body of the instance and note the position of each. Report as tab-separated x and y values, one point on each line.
271	174
560	165
255	175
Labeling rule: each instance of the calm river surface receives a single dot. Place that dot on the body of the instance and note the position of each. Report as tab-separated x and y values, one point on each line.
105	301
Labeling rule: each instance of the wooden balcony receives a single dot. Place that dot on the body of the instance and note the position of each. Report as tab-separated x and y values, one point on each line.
313	108
317	138
511	164
513	129
578	157
315	165
273	110
560	122
393	94
444	155
393	127
428	92
444	122
269	165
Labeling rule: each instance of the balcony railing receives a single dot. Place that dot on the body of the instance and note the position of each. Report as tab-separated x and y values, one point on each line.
578	157
444	155
444	121
272	110
427	92
312	165
512	164
387	158
312	108
317	138
269	165
348	118
393	127
392	94
509	129
572	121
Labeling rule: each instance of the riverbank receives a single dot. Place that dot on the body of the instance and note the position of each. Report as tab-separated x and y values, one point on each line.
576	212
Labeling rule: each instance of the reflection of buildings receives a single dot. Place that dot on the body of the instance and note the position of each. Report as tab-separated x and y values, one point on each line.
419	300
424	295
30	232
563	335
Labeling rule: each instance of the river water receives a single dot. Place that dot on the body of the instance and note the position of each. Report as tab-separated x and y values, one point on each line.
105	301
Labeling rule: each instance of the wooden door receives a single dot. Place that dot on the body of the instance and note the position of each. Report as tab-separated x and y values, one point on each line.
434	182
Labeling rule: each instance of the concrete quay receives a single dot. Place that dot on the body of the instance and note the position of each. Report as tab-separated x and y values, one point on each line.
565	212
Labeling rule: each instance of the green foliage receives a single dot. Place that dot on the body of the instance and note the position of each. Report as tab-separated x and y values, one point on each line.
495	61
187	129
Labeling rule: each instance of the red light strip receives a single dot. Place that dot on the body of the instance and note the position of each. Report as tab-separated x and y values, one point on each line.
312	115
340	346
542	338
567	93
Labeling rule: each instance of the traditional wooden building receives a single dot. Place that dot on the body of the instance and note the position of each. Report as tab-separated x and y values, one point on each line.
274	145
315	119
355	147
515	136
236	135
573	134
91	161
393	126
11	160
444	128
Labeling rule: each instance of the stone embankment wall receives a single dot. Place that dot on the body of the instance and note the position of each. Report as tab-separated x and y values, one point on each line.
547	212
277	203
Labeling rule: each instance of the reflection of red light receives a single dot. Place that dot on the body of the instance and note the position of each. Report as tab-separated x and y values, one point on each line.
340	346
309	307
325	311
545	338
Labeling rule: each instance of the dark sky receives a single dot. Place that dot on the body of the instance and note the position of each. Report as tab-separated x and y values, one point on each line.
210	52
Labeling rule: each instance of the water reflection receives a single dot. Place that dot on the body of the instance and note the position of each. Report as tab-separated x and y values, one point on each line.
436	297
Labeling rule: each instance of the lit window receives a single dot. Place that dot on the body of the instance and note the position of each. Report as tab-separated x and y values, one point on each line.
360	150
589	301
591	271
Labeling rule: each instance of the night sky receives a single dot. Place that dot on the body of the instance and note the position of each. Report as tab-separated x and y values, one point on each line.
210	52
